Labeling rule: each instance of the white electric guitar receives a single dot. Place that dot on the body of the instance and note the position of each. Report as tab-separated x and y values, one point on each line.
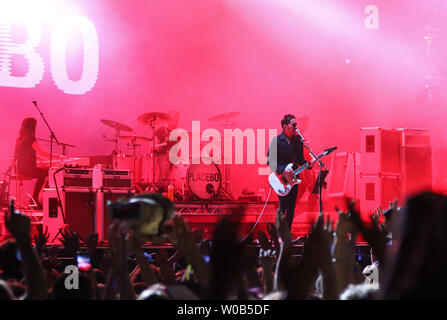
282	186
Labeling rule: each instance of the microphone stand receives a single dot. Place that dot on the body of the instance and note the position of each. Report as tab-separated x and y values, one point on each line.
64	146
52	137
321	175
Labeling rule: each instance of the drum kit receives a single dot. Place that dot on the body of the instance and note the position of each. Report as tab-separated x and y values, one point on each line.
201	180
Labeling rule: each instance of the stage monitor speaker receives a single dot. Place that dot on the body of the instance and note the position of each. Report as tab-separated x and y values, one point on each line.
378	190
102	219
343	175
380	151
78	207
343	180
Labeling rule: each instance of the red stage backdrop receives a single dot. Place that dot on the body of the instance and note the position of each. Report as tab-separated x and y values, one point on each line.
345	64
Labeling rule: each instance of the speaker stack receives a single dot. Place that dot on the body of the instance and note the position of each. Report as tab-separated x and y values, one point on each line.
395	163
78	197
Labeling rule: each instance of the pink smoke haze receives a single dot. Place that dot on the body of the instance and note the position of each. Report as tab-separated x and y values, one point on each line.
262	58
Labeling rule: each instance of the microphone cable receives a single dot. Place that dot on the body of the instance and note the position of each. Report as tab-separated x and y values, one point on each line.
260	216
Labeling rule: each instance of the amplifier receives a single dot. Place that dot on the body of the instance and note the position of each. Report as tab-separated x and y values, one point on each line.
77	209
380	151
109	178
70	177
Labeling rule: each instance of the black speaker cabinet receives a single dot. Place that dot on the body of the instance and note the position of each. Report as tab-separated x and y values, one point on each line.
77	206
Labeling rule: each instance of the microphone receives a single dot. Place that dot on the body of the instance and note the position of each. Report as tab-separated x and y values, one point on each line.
35	103
329	150
299	133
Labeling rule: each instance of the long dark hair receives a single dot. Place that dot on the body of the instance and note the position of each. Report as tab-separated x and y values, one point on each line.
28	128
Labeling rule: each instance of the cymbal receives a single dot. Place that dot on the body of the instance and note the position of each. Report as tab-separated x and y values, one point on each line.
224	116
154	118
135	138
116	125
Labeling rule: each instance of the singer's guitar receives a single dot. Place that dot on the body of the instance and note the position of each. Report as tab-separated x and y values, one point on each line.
282	186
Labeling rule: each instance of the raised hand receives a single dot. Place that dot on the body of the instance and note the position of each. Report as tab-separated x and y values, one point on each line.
167	273
273	235
377	214
18	224
283	229
266	253
117	242
321	239
185	242
376	236
267	260
345	225
318	249
119	267
263	240
41	238
183	238
70	240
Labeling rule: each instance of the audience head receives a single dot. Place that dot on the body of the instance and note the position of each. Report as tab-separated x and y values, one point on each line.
360	292
61	292
420	265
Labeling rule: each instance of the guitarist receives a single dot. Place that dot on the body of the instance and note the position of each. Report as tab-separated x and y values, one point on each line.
289	156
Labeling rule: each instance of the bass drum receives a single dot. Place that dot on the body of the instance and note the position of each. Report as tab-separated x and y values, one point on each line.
201	181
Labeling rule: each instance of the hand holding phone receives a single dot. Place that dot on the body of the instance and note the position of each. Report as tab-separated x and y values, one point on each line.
18	224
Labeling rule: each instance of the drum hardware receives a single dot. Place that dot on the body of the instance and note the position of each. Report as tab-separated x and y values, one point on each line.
116	125
64	145
152	119
118	128
226	190
134	139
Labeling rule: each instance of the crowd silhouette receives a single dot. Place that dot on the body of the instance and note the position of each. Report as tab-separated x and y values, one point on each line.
407	260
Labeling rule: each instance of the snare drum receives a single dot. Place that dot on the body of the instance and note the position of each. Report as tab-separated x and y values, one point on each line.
202	181
132	163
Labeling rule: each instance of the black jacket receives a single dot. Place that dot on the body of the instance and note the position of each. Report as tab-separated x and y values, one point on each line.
287	152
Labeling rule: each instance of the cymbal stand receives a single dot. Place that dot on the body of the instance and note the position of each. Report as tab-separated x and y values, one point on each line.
152	125
226	190
134	146
115	151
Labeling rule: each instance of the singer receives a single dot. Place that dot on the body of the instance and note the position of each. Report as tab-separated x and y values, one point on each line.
289	156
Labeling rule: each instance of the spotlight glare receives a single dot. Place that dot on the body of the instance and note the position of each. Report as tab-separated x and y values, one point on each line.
27	9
